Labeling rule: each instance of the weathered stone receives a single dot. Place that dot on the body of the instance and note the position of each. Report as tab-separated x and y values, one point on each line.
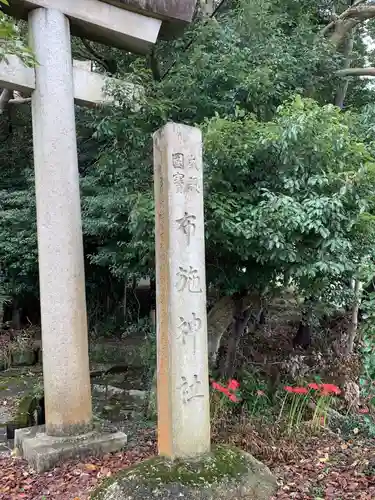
60	246
174	13
225	474
89	87
24	415
110	390
98	21
24	357
171	10
182	372
136	394
43	452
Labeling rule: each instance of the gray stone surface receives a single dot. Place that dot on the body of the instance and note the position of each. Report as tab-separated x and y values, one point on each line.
243	478
93	19
171	10
88	86
182	373
98	21
60	246
43	452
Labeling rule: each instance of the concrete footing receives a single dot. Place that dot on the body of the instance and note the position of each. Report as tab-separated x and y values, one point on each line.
43	452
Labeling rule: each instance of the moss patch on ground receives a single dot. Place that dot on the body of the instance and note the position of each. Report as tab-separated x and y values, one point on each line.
222	464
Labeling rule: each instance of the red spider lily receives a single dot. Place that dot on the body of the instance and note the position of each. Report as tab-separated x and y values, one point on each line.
325	389
296	390
220	388
288	388
314	386
331	388
300	390
233	385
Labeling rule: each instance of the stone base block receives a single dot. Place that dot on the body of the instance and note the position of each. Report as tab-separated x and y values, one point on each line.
43	452
225	474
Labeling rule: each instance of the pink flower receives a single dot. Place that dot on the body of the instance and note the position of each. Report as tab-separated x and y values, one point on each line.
260	393
288	388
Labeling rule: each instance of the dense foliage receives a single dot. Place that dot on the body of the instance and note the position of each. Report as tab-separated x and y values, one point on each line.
288	176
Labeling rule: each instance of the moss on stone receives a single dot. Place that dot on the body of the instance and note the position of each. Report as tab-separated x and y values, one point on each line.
222	464
26	407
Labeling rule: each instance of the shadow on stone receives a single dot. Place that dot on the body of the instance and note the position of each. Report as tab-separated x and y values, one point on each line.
226	473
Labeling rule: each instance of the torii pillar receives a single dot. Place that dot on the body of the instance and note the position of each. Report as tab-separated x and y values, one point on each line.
60	246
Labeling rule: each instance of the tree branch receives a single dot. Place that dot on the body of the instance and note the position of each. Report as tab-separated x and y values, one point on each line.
351	17
21	100
355	72
5	97
343	85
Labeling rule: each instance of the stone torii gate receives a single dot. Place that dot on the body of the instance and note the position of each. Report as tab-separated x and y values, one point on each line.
132	25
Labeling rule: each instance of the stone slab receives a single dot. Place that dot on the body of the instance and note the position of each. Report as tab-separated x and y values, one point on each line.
98	21
176	14
170	10
43	452
182	370
225	474
88	86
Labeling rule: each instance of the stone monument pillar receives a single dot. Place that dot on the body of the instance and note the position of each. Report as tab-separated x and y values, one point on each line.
61	264
182	372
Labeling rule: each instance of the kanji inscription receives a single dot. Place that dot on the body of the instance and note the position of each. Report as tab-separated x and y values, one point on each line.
187	225
189	328
190	391
178	181
192	162
188	278
178	160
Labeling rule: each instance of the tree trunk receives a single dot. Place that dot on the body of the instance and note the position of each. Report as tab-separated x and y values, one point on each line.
16	316
5	115
238	327
218	321
343	86
220	318
354	324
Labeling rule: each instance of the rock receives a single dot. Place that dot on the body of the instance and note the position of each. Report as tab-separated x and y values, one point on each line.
108	389
30	411
225	474
135	393
23	358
